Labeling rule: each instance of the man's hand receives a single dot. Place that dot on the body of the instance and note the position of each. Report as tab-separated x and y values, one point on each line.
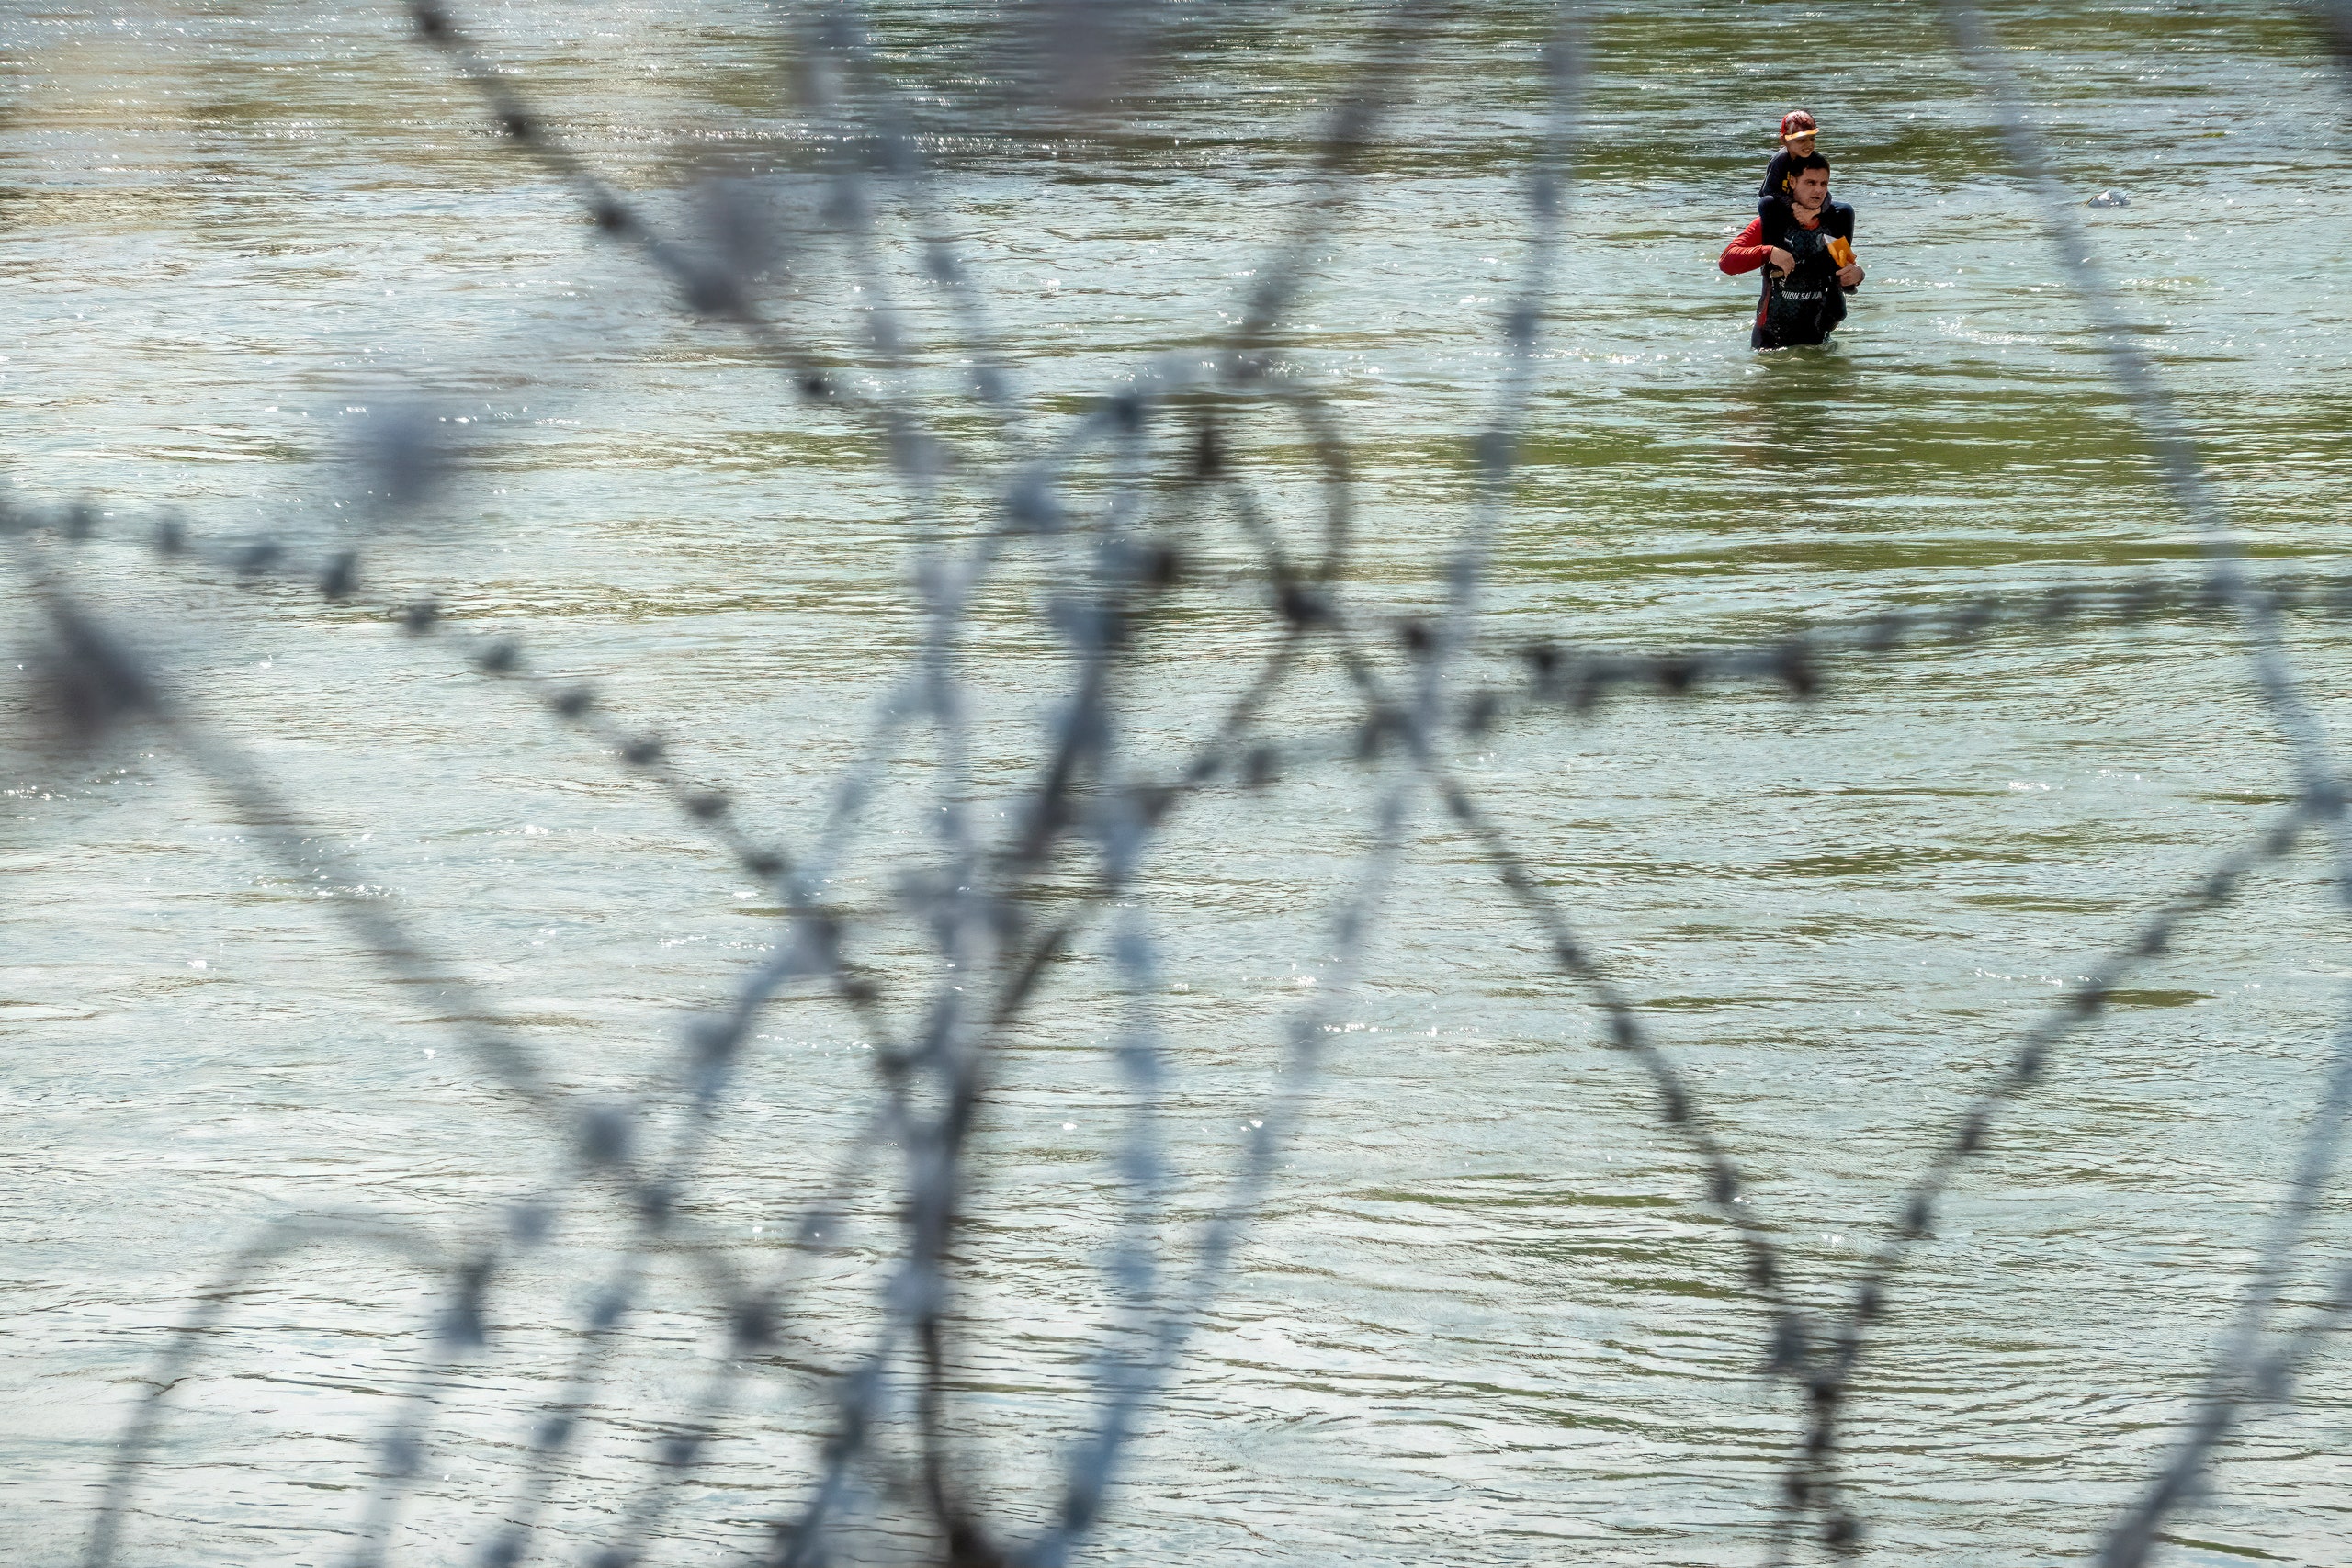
1850	276
1780	261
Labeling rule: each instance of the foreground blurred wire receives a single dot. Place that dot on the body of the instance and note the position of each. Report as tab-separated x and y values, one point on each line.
893	1479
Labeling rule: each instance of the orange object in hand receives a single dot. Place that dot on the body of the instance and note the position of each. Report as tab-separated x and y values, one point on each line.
1841	251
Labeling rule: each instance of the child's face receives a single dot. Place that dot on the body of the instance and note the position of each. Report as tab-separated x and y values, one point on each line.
1801	144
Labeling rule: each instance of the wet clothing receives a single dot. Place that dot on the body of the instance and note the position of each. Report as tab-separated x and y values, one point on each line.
1806	305
1776	177
1772	196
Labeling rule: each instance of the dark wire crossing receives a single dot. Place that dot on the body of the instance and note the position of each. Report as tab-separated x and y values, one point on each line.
1108	504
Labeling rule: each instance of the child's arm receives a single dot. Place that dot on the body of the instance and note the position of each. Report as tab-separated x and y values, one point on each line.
1774	173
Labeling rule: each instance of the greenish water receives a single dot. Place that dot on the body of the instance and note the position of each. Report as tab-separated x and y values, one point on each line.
1485	1318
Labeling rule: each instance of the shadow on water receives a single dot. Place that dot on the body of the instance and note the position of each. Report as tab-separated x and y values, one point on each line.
1784	410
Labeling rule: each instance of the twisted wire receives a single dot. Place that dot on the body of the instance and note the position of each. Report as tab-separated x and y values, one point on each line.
1000	914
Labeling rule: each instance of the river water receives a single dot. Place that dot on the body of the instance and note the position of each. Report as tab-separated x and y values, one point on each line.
1484	1317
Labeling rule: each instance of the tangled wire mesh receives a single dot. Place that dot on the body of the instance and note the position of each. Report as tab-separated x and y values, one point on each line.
1113	509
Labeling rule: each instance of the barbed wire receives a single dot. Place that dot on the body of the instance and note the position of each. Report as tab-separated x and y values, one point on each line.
997	913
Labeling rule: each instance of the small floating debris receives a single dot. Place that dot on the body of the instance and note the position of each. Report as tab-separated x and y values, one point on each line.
2109	198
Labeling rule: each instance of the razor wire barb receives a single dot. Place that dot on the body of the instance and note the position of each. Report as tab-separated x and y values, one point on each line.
1002	912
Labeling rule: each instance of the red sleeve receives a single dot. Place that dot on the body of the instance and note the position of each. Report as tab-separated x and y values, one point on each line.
1747	253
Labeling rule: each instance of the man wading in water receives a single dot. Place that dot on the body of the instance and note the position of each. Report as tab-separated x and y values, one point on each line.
1811	271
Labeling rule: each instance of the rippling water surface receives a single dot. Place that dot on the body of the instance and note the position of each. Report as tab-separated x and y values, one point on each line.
1484	1318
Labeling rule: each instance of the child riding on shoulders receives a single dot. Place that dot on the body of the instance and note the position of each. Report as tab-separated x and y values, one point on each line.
1798	130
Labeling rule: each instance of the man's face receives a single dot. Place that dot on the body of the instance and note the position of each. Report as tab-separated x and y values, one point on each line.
1810	189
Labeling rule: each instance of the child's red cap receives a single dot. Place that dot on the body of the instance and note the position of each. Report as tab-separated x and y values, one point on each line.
1796	123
